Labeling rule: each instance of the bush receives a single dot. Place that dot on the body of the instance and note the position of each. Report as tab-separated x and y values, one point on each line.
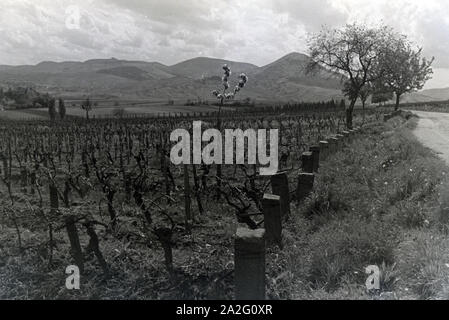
118	112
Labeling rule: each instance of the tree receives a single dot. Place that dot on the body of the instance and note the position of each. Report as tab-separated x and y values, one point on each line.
86	106
364	94
381	96
404	69
52	109
118	112
353	52
221	96
62	110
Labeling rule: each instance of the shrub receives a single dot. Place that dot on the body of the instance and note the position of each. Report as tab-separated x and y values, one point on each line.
118	112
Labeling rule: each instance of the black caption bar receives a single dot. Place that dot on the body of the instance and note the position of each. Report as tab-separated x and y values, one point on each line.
207	309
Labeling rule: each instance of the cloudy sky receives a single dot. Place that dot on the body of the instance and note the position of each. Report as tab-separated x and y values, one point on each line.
169	31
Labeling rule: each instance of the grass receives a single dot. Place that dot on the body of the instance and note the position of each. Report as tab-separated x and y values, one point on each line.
375	203
383	200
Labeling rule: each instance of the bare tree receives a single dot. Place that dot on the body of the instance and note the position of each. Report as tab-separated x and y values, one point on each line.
353	52
86	106
51	109
222	96
404	68
364	94
381	96
62	110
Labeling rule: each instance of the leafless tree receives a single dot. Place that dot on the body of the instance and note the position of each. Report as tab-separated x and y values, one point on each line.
404	68
353	52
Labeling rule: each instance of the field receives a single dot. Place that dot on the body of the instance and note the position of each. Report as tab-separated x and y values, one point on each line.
107	110
103	195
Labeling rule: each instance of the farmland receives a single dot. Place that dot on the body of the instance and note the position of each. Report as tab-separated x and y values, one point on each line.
103	194
107	110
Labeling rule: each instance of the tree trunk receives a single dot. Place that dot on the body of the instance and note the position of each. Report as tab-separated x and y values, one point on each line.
67	190
349	112
112	215
398	99
94	245
363	111
188	213
197	190
54	199
75	245
165	237
219	171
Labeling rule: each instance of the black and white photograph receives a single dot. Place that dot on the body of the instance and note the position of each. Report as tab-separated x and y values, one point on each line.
206	153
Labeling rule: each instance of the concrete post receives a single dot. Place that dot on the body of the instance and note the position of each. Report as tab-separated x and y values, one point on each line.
249	261
305	185
324	149
271	205
316	157
279	187
307	162
338	142
347	136
333	144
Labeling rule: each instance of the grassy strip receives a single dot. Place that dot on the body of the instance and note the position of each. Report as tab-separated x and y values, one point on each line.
376	203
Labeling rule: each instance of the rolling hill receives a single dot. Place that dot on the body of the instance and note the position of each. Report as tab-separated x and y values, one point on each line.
200	68
436	94
282	80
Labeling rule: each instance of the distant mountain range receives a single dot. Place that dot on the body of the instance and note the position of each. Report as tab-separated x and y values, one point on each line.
282	80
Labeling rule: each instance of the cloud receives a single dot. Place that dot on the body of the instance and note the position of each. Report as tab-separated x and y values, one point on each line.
194	14
426	23
312	14
169	31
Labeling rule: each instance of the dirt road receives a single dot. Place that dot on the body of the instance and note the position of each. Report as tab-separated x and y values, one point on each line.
433	131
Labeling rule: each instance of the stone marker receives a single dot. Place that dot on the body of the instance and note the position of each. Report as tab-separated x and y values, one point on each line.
271	206
249	264
307	162
316	157
335	143
279	187
331	145
305	185
324	149
347	135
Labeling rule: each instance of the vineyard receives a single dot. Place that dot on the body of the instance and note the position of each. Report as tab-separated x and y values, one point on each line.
102	194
